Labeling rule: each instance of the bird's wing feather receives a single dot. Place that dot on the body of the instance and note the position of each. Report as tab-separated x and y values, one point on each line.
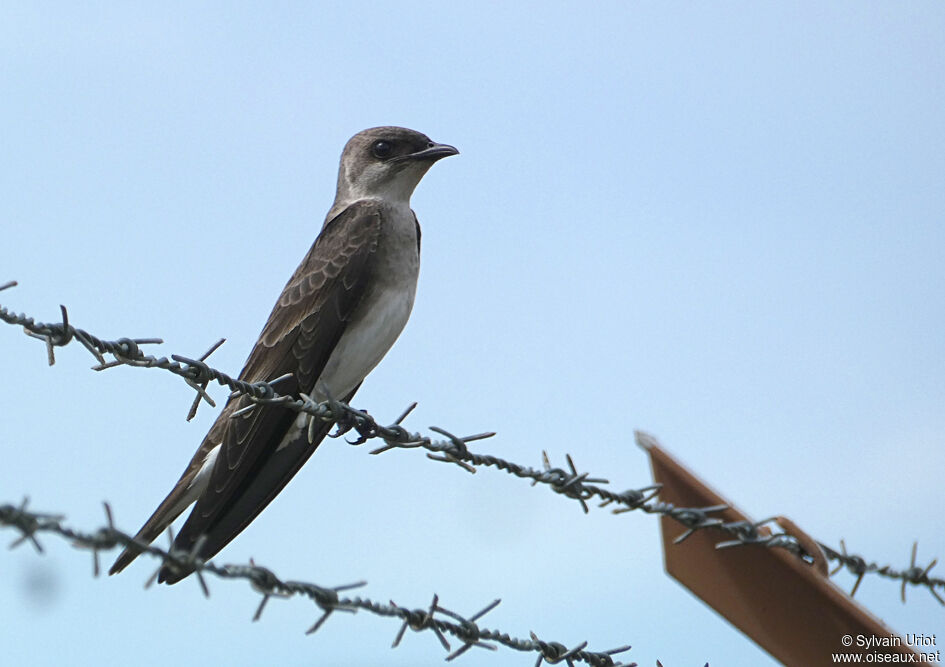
176	501
269	478
303	329
306	323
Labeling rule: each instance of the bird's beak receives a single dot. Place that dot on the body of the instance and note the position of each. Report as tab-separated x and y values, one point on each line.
431	154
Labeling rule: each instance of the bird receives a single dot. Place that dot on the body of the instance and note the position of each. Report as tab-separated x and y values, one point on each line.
338	315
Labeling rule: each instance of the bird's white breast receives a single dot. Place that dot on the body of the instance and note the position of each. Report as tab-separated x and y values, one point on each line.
382	314
365	342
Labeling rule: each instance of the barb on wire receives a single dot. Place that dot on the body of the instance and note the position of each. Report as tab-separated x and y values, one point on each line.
454	449
915	575
436	618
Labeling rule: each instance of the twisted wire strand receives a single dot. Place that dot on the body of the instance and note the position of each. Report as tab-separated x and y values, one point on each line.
435	618
453	449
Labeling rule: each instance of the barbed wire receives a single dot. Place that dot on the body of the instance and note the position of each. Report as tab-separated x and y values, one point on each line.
435	618
570	483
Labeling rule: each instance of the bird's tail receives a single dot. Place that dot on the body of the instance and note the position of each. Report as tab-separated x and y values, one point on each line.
175	503
261	487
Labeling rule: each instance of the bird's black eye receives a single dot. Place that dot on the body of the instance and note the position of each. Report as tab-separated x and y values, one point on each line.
382	149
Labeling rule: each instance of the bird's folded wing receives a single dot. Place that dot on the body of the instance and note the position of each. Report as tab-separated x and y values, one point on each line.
303	329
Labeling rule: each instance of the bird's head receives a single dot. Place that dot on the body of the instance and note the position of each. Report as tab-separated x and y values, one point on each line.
386	163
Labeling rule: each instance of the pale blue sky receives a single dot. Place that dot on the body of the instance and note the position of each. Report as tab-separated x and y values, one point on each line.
722	223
